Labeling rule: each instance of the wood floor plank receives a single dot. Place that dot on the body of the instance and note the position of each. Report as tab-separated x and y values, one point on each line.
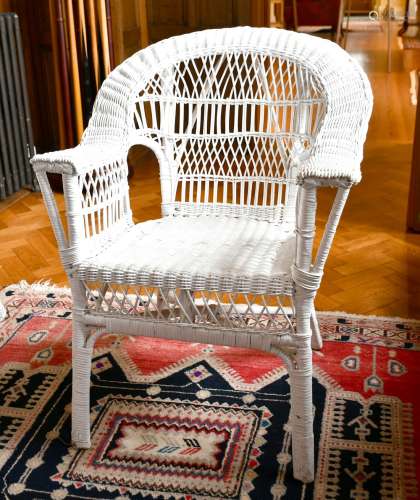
30	257
15	270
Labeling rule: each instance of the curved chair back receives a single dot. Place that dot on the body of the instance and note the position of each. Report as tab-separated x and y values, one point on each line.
237	117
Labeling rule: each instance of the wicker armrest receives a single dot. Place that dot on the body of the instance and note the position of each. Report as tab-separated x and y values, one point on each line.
333	182
78	160
327	171
96	192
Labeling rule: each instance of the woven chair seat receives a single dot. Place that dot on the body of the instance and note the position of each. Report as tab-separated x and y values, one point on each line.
199	253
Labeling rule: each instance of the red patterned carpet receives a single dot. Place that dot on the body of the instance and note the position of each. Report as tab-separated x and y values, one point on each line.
172	420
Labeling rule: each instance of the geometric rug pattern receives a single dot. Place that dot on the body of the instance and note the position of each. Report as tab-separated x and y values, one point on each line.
174	420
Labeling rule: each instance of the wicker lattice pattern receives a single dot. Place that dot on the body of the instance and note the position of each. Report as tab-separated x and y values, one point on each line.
247	124
264	112
230	311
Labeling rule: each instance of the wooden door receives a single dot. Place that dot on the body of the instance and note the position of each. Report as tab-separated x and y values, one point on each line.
173	17
129	27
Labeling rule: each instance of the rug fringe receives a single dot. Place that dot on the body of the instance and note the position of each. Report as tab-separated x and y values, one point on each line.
41	286
362	316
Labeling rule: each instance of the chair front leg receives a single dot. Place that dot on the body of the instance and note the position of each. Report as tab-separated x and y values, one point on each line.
81	365
302	416
301	395
82	358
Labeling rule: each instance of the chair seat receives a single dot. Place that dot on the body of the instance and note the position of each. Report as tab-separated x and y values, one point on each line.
199	253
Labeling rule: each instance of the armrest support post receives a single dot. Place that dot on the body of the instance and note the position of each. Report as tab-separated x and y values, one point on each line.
72	198
330	228
307	273
53	212
306	214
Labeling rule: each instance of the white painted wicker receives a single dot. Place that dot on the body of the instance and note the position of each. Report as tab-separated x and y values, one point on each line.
246	124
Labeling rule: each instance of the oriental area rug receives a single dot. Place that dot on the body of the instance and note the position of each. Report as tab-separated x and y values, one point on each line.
173	420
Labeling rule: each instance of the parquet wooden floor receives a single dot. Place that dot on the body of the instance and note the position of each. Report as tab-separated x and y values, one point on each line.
374	266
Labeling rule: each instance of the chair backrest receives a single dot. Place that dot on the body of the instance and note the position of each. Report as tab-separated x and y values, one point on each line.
231	115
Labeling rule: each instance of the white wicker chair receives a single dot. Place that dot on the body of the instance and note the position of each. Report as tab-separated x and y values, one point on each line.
246	123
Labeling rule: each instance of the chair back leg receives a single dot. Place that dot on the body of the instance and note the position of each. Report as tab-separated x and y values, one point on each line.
81	361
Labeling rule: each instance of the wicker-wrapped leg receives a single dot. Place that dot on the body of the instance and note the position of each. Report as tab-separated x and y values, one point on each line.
82	357
301	415
316	340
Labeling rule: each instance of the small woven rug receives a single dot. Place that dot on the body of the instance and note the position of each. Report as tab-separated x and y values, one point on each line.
173	420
